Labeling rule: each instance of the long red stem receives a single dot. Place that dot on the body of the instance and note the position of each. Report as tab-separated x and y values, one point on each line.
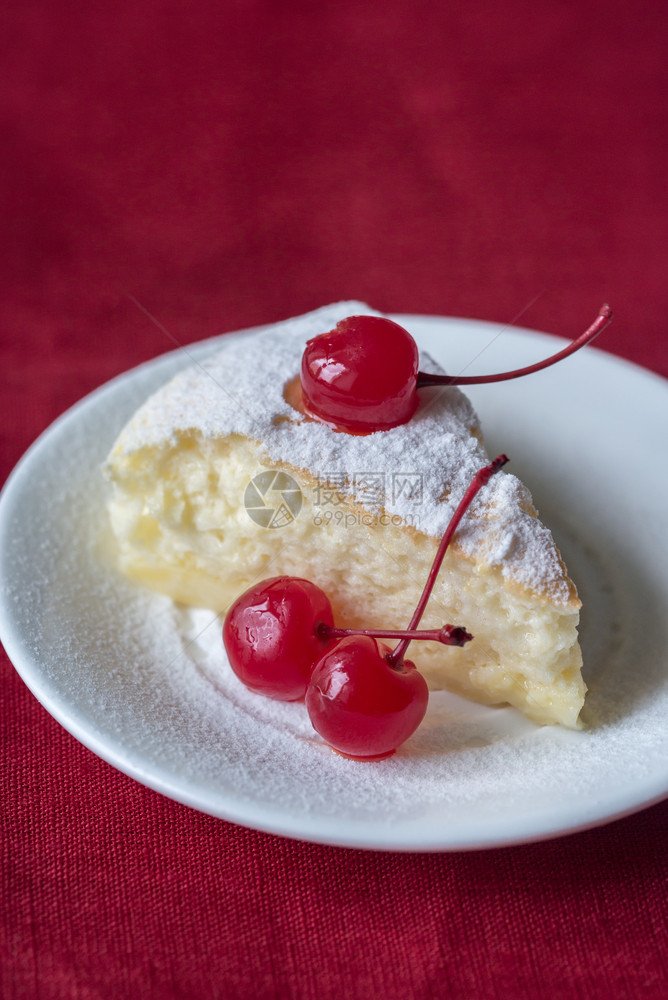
449	635
604	317
481	478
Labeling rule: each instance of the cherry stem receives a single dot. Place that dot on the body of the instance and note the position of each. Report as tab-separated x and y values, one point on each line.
604	317
449	635
481	478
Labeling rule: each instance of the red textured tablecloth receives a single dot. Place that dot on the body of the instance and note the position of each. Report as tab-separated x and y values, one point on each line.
232	162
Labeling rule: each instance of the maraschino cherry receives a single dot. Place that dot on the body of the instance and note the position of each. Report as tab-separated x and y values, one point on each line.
363	376
271	635
277	629
365	699
362	704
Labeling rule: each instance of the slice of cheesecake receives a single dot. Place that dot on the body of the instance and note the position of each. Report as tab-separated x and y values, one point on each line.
218	482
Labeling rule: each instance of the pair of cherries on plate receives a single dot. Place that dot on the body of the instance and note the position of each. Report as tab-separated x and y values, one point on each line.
363	698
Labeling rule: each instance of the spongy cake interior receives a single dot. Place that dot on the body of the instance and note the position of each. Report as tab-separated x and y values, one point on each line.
182	529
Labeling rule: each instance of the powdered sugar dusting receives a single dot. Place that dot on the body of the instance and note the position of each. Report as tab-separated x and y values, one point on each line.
240	391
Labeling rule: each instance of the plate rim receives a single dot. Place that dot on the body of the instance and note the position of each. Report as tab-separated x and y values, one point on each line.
29	670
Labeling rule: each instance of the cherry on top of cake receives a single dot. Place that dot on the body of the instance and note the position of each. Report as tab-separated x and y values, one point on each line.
238	390
363	376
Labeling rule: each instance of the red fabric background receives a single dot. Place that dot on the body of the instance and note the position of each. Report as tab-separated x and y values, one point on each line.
232	162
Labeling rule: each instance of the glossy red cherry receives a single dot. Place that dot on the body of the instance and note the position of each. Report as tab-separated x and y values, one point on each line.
378	705
276	631
271	638
363	376
365	699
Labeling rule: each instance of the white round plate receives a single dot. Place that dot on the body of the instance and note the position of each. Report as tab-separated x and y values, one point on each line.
144	684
